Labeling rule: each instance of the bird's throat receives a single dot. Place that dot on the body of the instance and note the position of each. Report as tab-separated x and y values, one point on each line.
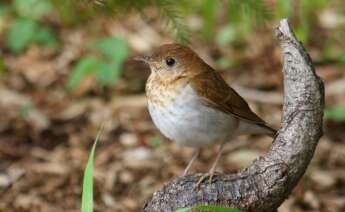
160	91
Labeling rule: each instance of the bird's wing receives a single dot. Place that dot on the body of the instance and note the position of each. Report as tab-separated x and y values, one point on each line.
216	93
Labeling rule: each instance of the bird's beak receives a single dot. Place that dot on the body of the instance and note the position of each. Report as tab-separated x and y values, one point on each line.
144	58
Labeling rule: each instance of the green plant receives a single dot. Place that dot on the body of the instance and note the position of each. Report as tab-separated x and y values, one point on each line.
284	9
24	109
2	65
209	13
169	11
155	141
174	20
33	9
26	28
308	19
336	113
341	58
4	10
87	192
226	35
209	208
246	15
106	65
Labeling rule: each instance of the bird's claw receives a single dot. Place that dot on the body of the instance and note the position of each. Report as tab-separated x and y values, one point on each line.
204	177
201	179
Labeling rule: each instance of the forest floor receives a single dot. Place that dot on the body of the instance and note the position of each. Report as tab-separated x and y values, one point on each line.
46	131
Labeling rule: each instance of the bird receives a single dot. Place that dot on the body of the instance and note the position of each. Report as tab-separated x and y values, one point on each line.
192	105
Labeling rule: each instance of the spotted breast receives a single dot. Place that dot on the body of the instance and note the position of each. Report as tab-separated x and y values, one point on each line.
183	118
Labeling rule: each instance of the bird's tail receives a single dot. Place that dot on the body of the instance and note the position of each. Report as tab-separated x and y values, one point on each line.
268	130
256	128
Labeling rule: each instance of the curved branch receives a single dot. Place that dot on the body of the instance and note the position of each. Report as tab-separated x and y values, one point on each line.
267	182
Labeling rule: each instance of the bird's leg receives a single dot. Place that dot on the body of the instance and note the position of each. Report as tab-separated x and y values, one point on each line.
211	172
195	156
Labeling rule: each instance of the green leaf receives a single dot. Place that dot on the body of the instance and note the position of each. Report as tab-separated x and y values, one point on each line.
209	208
106	69
209	14
45	36
183	210
341	58
225	63
4	10
107	74
174	19
33	9
115	52
87	193
226	35
308	14
85	66
335	113
112	48
284	8
246	15
302	34
155	141
254	10
2	65
21	34
24	109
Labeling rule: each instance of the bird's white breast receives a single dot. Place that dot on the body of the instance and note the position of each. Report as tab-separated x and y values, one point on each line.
188	122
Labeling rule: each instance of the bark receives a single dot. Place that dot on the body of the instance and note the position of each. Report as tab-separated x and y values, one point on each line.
268	181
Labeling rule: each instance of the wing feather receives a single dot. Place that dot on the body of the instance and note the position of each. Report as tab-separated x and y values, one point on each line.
216	93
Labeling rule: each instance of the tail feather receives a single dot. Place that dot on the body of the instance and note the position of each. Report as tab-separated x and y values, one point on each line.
255	128
270	131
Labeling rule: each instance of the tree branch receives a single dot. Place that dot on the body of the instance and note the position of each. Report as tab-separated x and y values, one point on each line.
268	181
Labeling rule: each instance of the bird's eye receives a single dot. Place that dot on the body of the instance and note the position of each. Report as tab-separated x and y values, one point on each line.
170	61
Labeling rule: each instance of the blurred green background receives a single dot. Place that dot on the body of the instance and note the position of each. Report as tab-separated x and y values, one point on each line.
66	66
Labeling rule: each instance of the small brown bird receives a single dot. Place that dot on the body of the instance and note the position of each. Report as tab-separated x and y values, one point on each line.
191	104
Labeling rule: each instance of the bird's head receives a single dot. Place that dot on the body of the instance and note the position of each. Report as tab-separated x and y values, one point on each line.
172	61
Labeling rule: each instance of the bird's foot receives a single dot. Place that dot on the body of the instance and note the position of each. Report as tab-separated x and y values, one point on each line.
204	177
